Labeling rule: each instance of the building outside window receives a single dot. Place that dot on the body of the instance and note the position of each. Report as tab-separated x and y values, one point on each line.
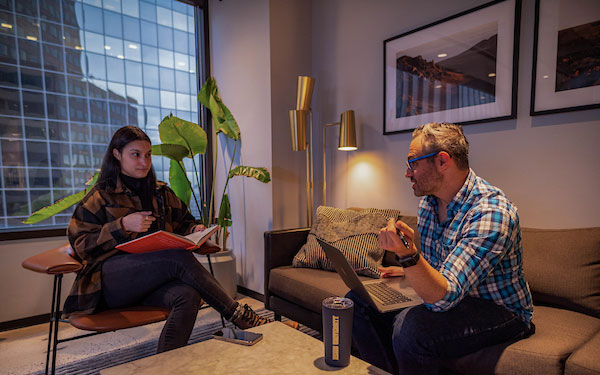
71	74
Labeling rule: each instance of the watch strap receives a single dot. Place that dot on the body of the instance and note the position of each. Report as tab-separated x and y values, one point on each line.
409	261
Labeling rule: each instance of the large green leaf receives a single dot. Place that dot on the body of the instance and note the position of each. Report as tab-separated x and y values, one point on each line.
174	152
61	204
175	131
222	117
261	174
179	182
92	181
224	219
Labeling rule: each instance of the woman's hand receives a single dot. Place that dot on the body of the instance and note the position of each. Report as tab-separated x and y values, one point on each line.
198	228
391	271
138	221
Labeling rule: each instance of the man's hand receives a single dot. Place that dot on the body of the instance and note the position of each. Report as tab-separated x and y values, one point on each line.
389	238
391	271
138	221
198	228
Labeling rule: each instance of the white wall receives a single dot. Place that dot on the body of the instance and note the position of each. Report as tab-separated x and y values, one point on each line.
547	165
26	293
240	62
291	56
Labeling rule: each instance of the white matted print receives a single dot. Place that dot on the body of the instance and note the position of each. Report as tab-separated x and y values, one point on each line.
566	64
461	69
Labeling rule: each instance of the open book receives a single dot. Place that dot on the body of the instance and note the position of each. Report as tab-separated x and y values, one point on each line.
162	240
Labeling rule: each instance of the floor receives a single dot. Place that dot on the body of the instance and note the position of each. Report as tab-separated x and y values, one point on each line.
23	351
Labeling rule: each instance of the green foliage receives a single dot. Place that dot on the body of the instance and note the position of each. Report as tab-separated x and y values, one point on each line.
261	174
224	219
61	204
172	151
176	152
222	117
179	182
175	131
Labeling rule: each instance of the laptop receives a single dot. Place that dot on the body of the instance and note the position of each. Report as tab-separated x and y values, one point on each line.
385	295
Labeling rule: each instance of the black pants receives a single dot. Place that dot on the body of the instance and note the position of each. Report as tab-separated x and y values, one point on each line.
168	278
415	340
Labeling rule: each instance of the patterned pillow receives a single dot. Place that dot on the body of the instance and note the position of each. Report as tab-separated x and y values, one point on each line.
353	231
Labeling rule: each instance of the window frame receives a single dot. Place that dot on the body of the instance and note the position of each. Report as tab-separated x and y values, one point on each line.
202	55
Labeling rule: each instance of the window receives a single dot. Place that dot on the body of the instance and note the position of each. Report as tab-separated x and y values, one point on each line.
74	71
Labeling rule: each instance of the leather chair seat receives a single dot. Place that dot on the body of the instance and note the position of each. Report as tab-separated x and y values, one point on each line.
112	320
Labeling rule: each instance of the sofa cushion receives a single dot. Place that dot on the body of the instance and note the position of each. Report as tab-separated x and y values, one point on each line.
559	332
352	231
562	267
586	359
306	287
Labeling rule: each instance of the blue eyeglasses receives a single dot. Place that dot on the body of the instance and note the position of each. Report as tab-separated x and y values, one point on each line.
409	163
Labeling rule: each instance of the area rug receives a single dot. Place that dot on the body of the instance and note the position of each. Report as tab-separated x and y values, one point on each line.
94	364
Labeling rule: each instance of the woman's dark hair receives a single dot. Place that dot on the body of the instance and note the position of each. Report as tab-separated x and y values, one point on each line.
111	167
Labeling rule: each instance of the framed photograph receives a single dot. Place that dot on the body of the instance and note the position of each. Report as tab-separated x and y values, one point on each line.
462	69
566	60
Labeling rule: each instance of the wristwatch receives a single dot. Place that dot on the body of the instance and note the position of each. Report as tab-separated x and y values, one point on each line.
408	261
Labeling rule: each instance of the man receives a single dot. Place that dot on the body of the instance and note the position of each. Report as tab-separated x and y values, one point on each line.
468	270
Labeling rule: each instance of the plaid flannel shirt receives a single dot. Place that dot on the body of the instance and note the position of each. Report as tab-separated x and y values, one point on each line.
477	248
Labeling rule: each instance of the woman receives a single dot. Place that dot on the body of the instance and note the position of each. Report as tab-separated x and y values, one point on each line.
128	202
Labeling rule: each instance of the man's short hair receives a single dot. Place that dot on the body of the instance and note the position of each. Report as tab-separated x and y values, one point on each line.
445	137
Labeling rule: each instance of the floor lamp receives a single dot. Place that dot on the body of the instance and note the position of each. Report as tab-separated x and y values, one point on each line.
346	142
298	126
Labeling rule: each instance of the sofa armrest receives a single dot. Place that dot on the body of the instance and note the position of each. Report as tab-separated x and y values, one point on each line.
280	248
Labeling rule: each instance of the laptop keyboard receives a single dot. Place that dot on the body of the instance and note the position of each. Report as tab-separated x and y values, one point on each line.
385	294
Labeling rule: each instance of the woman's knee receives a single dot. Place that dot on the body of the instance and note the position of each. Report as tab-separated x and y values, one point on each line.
185	296
181	255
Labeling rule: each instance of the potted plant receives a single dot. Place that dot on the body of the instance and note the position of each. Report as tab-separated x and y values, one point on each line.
180	140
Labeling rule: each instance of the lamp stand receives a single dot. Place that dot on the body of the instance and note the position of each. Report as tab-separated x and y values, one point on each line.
325	161
309	175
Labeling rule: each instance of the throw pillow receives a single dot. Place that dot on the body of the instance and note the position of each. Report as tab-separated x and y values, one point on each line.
353	231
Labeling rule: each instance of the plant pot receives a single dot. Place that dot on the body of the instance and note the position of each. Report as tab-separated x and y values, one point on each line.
223	264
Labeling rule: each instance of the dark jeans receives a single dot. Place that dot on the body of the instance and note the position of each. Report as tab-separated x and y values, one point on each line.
168	278
414	340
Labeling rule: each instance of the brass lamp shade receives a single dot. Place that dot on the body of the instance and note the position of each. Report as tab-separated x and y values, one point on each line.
347	140
298	129
305	91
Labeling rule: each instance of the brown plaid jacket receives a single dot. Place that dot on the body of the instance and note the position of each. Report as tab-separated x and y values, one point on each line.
97	227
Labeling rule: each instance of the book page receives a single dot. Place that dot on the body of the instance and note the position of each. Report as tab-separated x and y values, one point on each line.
199	236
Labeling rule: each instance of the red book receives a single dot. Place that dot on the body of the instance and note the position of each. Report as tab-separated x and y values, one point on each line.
162	240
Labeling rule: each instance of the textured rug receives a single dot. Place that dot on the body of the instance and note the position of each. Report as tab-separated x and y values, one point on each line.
94	364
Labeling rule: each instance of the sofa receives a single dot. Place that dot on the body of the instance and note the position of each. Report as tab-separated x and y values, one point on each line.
562	268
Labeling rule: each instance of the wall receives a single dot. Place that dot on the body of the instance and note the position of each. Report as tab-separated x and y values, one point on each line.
291	56
547	165
258	49
239	39
25	293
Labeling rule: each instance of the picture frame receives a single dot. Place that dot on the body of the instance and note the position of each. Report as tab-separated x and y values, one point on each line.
461	69
566	56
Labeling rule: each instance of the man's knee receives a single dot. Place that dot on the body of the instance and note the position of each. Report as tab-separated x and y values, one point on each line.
409	335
